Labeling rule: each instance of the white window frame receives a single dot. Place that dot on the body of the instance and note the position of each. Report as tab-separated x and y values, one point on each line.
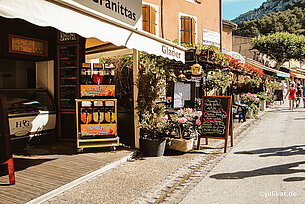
179	21
156	7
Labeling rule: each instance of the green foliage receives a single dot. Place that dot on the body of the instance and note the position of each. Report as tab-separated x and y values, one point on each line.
281	46
217	81
291	20
154	73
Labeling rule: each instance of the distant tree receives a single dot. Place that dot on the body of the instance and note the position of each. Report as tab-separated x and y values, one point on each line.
292	21
281	46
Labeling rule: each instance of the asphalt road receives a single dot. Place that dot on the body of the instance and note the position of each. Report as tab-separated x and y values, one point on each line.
267	166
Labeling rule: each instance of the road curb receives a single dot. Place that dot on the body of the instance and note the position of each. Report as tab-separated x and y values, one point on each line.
80	180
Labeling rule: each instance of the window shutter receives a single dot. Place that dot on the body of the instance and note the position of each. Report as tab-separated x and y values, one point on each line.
152	21
193	41
186	28
145	17
149	19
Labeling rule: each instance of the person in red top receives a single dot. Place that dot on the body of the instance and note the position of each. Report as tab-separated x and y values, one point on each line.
292	96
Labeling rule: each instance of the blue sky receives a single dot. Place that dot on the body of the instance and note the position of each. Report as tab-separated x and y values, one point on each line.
233	8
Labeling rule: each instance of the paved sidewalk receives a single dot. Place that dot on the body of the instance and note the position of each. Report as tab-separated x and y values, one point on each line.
149	179
267	166
42	169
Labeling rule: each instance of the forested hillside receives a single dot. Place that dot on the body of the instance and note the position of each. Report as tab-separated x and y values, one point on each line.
291	20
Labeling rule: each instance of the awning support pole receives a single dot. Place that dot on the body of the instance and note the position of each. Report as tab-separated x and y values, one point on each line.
135	97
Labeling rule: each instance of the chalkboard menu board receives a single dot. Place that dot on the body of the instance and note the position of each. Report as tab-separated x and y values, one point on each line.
5	152
216	121
216	112
68	71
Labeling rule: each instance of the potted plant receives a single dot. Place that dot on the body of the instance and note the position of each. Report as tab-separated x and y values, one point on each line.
152	80
153	125
182	126
252	102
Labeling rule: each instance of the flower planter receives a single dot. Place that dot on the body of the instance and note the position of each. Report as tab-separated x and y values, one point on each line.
181	145
153	147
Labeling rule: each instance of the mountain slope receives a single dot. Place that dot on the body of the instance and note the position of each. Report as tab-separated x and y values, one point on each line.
267	7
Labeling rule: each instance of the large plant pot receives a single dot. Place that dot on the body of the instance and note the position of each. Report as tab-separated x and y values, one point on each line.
153	147
181	145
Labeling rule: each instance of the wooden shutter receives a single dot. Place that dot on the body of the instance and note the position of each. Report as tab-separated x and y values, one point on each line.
152	20
193	33
145	17
186	29
149	19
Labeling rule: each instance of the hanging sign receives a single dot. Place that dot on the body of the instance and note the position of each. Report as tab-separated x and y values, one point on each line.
123	10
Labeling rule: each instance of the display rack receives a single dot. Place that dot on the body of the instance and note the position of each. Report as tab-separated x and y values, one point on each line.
96	111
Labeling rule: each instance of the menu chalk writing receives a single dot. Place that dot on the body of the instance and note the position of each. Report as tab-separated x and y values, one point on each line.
215	116
68	63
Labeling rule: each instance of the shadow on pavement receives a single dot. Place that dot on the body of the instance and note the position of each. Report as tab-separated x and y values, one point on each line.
294	179
272	170
23	163
278	151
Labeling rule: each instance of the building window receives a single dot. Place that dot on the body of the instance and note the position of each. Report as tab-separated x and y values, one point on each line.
188	29
149	19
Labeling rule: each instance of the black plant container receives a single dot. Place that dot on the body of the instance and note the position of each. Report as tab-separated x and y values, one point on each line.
153	147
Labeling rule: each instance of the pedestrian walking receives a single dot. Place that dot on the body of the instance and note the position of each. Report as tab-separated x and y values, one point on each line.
292	95
303	90
299	94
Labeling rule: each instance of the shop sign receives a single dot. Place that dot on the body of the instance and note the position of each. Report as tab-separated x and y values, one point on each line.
98	129
172	53
67	37
210	37
97	90
21	126
127	11
25	45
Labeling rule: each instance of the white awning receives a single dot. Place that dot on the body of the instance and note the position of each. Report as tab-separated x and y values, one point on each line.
263	67
69	16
